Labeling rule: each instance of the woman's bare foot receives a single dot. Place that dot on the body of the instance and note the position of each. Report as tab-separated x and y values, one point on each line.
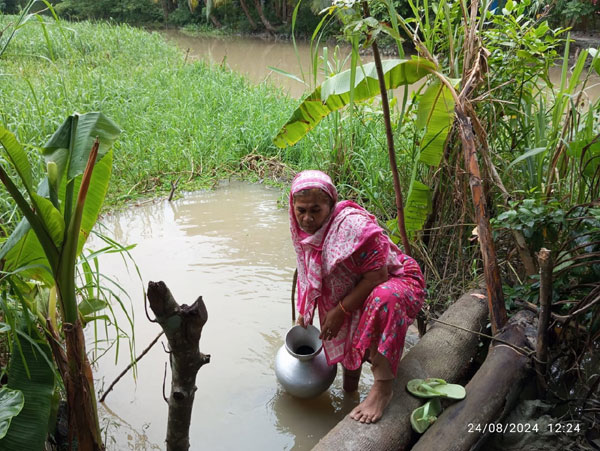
371	409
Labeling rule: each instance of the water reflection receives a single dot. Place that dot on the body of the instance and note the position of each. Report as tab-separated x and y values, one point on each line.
119	434
249	56
308	419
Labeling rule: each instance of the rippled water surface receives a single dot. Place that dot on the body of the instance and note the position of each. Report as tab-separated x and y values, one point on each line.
232	247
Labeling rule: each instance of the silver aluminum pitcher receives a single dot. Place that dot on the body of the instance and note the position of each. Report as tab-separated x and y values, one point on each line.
300	364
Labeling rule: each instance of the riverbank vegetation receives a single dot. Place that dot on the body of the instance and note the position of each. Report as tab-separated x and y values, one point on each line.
189	124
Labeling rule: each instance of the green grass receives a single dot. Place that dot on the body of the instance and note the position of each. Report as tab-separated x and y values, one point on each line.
181	120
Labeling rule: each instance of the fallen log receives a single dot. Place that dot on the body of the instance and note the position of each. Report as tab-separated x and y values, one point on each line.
182	326
491	393
444	352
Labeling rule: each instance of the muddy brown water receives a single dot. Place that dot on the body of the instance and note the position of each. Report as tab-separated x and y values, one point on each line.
254	56
232	247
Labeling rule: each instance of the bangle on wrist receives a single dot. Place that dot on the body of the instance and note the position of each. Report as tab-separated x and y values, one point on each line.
346	312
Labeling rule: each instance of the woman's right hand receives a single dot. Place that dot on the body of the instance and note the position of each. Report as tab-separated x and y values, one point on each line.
300	321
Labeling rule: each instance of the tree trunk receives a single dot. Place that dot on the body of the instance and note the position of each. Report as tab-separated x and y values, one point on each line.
212	17
474	68
284	11
491	271
76	373
215	21
79	387
263	18
183	328
247	13
168	7
522	248
445	352
491	394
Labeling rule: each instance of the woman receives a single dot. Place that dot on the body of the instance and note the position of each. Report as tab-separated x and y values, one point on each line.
366	290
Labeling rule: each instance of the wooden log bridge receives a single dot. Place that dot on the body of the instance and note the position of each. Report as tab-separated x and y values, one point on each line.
182	326
444	352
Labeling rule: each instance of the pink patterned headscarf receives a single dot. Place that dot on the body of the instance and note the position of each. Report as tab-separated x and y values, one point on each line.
309	180
314	179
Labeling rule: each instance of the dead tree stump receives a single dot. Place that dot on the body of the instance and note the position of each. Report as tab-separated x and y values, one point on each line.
182	326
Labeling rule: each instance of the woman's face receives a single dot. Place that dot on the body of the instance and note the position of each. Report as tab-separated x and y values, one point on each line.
312	208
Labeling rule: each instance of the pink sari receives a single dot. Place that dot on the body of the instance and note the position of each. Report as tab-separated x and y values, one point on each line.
330	263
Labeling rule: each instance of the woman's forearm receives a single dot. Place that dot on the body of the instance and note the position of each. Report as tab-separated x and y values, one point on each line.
369	280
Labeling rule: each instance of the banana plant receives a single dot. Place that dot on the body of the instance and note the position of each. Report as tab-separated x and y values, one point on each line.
57	218
435	114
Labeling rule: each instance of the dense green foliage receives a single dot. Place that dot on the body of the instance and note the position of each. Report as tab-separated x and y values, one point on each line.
131	11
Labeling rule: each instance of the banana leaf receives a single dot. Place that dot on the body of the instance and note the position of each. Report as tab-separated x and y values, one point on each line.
418	206
70	145
595	59
334	94
17	156
31	373
435	114
11	403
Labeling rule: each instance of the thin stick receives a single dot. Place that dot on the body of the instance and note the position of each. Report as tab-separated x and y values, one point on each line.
294	281
523	351
390	140
164	383
173	188
541	364
137	359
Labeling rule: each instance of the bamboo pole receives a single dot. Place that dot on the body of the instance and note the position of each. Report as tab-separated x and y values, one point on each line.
385	105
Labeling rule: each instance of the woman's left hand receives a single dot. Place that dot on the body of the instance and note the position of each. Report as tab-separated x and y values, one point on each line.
333	323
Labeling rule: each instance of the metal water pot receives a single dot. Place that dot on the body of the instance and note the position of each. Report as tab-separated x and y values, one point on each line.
300	364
